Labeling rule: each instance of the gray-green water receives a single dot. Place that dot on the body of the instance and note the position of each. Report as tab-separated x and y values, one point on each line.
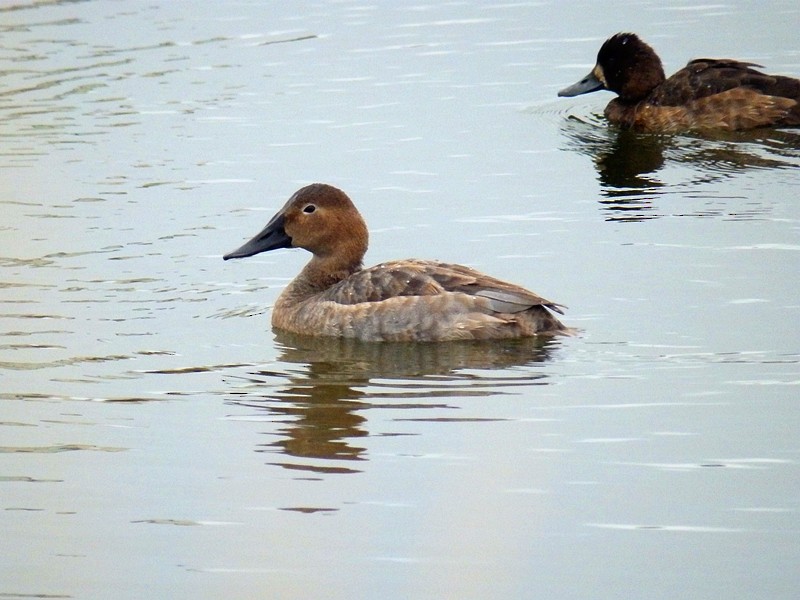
158	440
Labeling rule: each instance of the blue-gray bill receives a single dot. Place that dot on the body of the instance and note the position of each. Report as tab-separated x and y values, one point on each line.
588	84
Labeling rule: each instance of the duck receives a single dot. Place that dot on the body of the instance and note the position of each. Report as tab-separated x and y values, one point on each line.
707	94
409	300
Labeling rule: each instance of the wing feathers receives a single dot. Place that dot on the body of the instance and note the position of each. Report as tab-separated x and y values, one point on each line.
429	278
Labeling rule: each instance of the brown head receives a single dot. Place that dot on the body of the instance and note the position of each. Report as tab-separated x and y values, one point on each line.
626	66
319	218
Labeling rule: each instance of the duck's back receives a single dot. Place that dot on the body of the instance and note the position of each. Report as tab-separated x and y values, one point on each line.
729	94
705	77
414	277
419	300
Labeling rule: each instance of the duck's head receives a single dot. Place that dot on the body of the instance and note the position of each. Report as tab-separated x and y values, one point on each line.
626	66
319	218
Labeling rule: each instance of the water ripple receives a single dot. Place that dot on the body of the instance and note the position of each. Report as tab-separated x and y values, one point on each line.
667	528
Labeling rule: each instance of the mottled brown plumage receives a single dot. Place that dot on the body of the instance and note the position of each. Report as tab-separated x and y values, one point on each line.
707	94
404	300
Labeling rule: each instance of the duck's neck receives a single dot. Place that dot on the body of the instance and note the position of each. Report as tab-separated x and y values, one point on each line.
641	82
318	275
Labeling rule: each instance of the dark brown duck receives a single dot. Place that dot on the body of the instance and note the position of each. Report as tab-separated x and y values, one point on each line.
707	94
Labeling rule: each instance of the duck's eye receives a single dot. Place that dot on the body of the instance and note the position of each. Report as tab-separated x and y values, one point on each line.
309	208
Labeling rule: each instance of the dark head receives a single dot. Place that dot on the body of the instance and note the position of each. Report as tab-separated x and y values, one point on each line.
626	66
319	218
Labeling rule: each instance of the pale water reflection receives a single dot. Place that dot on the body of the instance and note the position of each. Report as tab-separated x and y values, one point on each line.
159	440
322	402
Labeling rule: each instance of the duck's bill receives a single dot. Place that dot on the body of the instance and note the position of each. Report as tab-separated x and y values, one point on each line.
272	237
590	83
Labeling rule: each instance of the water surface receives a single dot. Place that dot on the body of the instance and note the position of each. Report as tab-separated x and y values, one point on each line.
158	439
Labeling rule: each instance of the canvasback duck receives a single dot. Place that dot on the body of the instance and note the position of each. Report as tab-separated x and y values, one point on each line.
707	94
402	300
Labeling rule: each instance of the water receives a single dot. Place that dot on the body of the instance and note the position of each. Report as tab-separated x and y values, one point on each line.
159	440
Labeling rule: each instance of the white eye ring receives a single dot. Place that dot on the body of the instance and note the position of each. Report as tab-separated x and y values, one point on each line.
309	208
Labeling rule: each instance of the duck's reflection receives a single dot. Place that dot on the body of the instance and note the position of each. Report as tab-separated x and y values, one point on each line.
324	385
635	168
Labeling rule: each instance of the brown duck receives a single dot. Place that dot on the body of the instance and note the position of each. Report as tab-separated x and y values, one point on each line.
402	300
